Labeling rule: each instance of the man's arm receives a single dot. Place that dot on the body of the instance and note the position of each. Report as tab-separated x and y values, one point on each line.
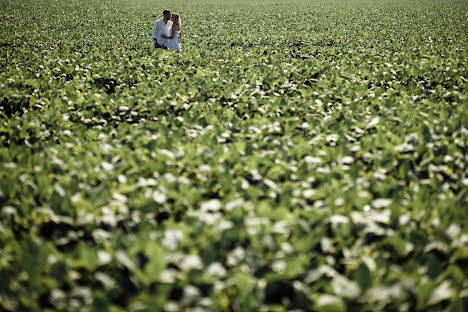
155	30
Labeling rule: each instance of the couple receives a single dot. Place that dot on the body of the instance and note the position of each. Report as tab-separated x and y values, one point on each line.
166	31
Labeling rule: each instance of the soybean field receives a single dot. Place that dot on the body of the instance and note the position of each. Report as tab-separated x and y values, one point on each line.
300	155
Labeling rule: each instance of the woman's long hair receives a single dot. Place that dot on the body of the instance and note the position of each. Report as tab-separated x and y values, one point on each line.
176	20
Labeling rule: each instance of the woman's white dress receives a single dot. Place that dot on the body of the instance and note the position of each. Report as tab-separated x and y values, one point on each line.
174	42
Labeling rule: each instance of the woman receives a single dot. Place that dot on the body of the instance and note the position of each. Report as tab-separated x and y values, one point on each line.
173	39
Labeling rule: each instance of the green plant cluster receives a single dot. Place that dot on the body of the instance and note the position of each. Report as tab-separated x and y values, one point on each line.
299	155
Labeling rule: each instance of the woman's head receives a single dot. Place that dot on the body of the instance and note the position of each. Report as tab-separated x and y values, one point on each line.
175	18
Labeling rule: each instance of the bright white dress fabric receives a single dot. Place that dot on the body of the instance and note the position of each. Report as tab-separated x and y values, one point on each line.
174	42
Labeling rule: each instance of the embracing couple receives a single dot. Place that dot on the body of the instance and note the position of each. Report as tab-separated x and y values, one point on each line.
166	31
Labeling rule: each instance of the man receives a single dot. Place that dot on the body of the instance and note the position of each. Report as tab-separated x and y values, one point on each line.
162	27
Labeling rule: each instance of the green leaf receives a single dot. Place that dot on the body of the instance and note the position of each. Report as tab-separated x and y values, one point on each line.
363	276
329	303
32	257
156	264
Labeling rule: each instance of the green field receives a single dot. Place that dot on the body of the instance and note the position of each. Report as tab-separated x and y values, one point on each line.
295	156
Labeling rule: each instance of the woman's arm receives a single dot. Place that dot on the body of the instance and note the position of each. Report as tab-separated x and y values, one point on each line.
179	35
172	33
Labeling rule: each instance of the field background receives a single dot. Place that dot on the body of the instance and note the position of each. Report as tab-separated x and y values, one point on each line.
299	155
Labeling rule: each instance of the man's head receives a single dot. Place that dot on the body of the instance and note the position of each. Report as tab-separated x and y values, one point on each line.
167	15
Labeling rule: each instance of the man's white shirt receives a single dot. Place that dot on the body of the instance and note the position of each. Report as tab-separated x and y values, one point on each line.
161	28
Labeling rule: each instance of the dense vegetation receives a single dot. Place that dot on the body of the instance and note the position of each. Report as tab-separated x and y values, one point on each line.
306	155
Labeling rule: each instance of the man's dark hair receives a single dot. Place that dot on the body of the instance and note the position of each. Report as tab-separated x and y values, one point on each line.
166	12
